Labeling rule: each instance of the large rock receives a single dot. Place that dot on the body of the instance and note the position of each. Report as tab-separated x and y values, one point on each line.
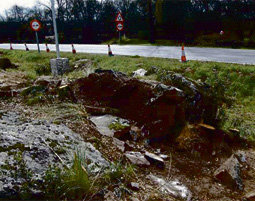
162	109
156	106
29	148
200	100
229	173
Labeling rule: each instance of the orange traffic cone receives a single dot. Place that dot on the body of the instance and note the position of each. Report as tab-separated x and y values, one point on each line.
110	51
47	48
26	47
183	58
73	49
11	48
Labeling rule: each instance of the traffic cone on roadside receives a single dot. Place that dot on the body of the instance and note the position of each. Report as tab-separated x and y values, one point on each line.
73	49
47	48
26	47
11	48
183	58
110	51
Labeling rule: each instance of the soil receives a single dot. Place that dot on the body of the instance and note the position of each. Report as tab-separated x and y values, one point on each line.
191	166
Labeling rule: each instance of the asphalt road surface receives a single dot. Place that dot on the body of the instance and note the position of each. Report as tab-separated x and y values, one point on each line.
239	56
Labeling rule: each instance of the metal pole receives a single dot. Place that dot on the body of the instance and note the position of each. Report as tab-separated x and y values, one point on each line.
55	27
119	36
37	41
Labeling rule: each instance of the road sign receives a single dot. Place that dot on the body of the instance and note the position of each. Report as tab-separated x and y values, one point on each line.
120	26
35	25
119	18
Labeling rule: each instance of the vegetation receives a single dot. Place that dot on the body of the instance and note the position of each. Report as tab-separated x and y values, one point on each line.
233	81
195	22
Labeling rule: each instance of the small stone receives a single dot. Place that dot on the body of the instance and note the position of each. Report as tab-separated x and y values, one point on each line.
173	188
120	144
229	173
137	158
140	72
134	186
164	157
154	159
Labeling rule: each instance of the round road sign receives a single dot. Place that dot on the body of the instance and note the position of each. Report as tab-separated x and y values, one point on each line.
120	26
35	25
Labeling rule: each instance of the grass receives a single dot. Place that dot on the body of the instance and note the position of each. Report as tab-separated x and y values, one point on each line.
77	183
235	81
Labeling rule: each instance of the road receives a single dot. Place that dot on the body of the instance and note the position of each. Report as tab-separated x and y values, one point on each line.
239	56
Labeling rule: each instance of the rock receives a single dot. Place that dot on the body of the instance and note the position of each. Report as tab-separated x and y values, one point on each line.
120	144
110	196
103	122
250	196
200	101
134	186
34	146
157	107
6	63
154	159
241	156
48	81
137	158
164	157
152	70
140	72
85	65
229	173
173	188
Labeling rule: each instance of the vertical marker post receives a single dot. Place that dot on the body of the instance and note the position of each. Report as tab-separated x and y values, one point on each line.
120	36
37	41
55	27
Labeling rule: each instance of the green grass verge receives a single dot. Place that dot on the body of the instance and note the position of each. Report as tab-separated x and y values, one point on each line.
233	80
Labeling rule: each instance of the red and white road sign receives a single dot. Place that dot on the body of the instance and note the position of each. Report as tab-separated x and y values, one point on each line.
119	18
119	26
35	25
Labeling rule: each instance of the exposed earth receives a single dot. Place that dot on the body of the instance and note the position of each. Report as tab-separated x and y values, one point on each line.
168	131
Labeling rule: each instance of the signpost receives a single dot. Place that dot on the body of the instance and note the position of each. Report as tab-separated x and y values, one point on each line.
55	27
119	24
36	26
59	65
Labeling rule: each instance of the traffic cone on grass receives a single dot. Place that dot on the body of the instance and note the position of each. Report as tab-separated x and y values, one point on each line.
11	48
73	49
47	48
110	51
26	47
183	58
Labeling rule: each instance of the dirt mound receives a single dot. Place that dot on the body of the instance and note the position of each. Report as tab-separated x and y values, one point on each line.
162	110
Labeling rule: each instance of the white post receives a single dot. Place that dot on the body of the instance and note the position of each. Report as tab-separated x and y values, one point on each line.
55	27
